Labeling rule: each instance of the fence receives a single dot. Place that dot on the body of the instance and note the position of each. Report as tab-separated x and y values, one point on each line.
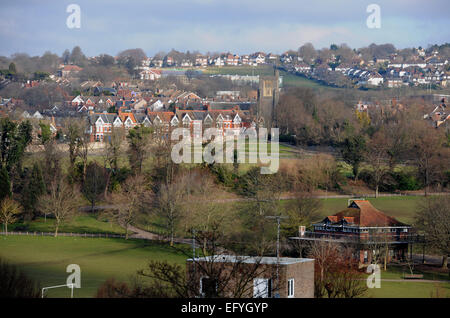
97	235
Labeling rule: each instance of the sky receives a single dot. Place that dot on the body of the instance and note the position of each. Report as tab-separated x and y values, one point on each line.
238	26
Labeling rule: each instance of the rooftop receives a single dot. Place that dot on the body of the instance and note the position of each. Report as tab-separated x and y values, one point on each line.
362	213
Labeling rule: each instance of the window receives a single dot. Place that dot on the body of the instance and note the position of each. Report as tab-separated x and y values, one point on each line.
262	288
291	288
208	287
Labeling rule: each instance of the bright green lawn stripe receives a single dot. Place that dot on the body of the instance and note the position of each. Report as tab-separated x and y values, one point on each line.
46	258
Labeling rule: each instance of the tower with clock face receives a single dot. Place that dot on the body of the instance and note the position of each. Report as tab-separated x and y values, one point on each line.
268	94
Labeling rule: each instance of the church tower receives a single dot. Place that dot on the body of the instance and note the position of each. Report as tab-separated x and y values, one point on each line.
268	94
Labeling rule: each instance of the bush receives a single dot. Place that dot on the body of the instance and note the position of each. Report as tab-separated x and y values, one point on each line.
15	284
288	138
406	181
223	175
394	181
113	289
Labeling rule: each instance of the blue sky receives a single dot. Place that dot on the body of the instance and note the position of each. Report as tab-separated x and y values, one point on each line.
240	26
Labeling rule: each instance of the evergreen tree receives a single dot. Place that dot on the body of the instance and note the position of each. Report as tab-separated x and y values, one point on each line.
12	68
34	188
5	184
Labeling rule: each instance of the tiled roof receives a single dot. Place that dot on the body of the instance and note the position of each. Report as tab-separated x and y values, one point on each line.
363	213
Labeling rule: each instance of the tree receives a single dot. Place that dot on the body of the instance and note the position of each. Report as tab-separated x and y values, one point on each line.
131	59
94	184
433	218
308	53
168	200
77	57
139	140
52	162
9	210
34	187
12	68
73	132
376	155
65	56
61	201
232	279
112	151
200	213
352	151
113	289
46	133
16	284
336	271
430	156
106	60
83	150
13	141
5	184
130	200
301	211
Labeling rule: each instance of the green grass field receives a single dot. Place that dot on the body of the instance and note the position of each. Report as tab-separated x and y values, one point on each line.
82	223
45	259
408	290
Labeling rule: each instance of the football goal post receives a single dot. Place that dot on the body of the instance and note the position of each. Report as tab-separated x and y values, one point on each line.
58	286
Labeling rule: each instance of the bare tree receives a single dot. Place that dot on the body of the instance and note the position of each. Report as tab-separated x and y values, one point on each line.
94	184
430	157
200	213
112	152
83	151
62	202
337	274
130	200
52	162
433	218
73	132
168	204
9	210
221	275
376	155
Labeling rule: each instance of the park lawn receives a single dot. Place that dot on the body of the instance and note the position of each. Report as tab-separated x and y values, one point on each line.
397	272
45	259
81	223
409	289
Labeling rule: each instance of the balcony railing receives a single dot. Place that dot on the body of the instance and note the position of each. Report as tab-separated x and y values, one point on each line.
363	238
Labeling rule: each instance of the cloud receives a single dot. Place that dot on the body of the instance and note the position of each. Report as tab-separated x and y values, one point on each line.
241	26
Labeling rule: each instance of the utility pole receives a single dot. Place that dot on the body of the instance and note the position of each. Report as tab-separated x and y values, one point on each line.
193	249
278	218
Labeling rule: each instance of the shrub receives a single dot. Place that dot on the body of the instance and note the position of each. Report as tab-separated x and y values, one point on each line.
15	284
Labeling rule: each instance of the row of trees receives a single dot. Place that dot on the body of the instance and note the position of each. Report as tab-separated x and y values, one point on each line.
378	140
